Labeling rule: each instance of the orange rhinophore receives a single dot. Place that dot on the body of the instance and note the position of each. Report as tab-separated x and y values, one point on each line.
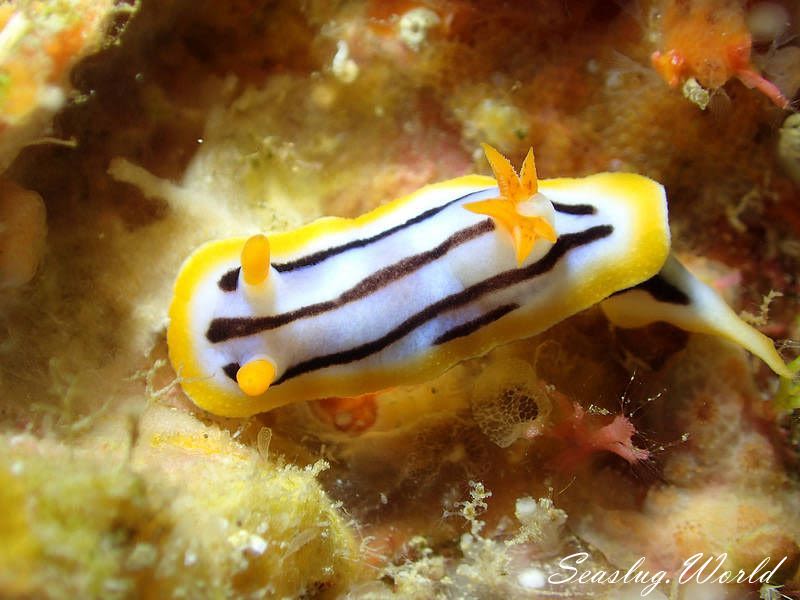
255	260
255	377
708	40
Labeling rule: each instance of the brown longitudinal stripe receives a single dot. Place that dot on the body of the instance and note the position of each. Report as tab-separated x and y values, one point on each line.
660	289
565	243
475	324
318	257
231	369
224	329
575	209
229	281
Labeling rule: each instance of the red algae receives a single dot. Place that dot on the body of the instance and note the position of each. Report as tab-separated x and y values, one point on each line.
583	435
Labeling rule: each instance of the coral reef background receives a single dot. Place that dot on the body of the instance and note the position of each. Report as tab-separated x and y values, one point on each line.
131	133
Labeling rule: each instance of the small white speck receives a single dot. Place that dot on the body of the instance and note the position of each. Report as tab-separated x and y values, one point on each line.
532	579
343	419
414	26
257	545
526	508
343	67
17	467
52	97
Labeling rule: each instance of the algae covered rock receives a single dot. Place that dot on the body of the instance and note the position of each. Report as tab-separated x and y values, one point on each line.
235	524
66	521
193	514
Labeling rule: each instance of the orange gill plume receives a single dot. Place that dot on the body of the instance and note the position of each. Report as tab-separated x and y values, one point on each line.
508	210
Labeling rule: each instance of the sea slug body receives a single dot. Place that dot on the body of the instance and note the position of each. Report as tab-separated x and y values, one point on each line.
343	307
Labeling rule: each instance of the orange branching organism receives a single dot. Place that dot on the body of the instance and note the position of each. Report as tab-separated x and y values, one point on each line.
708	40
519	210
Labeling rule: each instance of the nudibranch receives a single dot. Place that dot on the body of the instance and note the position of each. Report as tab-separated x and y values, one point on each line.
344	307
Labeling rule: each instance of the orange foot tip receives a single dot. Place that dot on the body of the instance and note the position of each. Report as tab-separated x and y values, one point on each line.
515	189
255	377
255	260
